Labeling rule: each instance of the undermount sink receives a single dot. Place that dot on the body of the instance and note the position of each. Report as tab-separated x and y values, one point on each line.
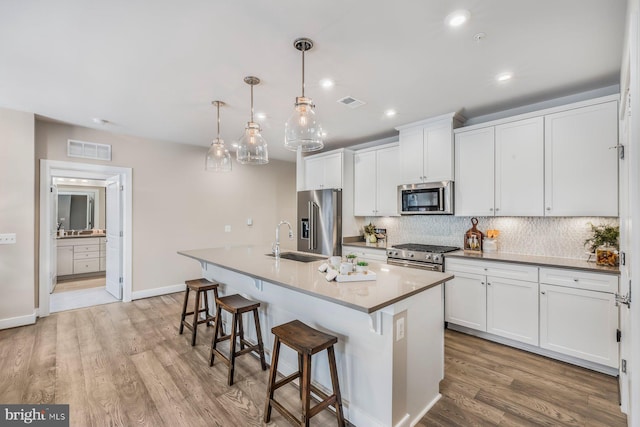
299	257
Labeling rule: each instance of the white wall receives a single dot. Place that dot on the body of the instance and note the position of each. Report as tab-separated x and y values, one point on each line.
17	181
178	205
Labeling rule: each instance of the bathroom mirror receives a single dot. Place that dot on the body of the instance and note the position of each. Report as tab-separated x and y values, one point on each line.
76	210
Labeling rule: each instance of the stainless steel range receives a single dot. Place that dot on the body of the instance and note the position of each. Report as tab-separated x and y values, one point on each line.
428	257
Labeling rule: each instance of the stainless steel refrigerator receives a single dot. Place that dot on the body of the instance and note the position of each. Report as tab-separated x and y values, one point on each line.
320	221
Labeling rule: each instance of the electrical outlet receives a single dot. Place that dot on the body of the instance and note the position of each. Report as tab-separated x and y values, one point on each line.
227	229
249	222
400	329
7	239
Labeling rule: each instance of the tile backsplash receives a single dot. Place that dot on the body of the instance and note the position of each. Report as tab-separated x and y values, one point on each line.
558	237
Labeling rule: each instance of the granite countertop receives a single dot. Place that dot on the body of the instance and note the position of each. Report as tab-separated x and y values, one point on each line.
544	261
81	236
393	283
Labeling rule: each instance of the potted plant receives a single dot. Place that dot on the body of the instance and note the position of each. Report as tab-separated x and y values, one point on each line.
370	233
604	243
352	258
361	266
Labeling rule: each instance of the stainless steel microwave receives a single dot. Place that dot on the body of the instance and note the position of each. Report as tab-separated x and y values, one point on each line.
433	198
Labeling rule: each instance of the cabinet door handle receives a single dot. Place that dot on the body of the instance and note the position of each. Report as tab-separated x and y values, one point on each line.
575	280
482	283
490	209
548	208
497	209
543	292
488	283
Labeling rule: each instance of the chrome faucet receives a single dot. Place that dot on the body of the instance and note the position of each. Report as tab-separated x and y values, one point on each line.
276	245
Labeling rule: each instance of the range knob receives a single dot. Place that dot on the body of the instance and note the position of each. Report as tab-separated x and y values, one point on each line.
428	257
411	254
437	258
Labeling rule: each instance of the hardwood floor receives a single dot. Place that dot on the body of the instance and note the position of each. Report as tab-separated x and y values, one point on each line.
75	284
125	364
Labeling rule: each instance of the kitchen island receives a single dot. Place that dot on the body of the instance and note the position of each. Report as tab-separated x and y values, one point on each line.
390	350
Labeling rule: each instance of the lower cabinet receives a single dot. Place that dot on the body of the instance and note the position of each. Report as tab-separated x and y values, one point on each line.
579	323
512	309
466	301
64	260
501	306
371	254
566	311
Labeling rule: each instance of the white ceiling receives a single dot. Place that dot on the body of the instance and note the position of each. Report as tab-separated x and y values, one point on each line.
152	68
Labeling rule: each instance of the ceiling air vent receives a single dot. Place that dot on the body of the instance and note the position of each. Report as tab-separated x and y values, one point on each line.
88	150
351	102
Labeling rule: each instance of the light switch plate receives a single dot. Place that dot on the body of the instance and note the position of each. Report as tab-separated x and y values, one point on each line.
400	329
8	239
227	229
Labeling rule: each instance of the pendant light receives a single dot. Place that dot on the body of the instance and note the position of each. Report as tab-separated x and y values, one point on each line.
303	131
252	148
218	157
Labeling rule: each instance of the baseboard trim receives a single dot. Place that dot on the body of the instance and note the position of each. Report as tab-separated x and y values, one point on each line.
148	293
14	322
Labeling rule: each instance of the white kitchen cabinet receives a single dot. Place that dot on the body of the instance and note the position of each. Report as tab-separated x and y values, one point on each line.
578	315
519	168
323	171
500	170
369	254
64	260
579	323
426	149
466	301
488	297
376	179
512	309
581	171
474	170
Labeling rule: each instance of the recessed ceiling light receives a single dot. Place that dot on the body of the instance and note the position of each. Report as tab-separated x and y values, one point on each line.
261	116
326	83
390	113
503	77
457	18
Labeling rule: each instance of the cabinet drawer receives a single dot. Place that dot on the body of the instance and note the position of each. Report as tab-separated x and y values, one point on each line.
579	279
86	265
504	270
379	255
86	248
86	255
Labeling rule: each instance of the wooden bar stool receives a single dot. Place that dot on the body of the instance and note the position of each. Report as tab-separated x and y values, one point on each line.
307	342
236	305
199	286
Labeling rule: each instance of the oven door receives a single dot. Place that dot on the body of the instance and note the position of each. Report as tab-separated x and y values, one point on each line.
415	264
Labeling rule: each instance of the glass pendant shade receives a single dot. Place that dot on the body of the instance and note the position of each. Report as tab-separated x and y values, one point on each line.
302	131
218	158
252	147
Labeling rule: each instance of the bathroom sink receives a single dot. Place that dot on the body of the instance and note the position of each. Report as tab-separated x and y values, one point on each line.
299	257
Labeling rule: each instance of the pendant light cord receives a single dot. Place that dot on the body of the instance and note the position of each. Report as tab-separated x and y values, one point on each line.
303	72
251	103
218	105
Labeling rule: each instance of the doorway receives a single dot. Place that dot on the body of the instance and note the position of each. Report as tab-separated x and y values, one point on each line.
111	231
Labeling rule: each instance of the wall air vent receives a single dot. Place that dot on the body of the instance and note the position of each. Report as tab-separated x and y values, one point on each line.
351	102
88	150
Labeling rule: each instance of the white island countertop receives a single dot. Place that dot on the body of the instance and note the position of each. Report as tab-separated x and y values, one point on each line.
393	284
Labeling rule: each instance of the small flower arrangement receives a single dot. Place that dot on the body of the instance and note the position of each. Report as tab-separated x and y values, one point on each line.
361	266
352	258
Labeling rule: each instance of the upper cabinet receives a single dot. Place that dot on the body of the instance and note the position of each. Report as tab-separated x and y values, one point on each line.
323	171
548	163
500	170
426	149
376	180
581	175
